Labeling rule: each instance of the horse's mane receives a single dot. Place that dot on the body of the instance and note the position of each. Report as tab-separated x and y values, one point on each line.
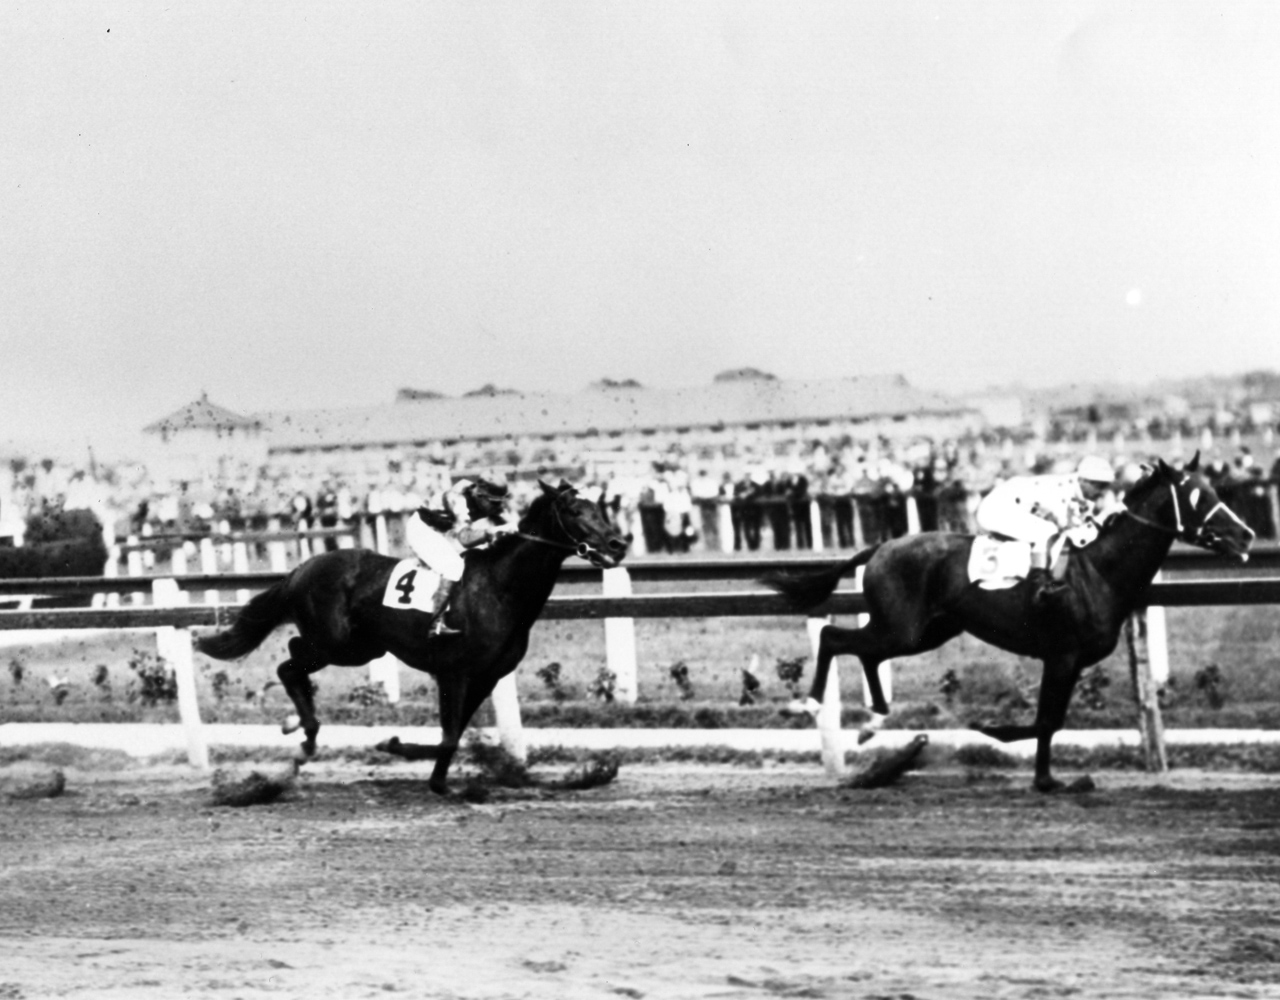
1139	490
533	515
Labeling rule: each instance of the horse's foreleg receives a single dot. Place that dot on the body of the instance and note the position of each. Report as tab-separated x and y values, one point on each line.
295	674
452	691
1056	687
458	705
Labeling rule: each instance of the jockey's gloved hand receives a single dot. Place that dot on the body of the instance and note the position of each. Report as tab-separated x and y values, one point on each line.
498	530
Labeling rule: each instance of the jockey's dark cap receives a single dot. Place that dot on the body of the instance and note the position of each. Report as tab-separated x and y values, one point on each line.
488	490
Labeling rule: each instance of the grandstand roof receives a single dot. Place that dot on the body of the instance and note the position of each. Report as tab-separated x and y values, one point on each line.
733	403
202	415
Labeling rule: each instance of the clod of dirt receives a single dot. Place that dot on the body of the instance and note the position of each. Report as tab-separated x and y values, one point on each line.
887	766
32	781
254	788
498	765
599	770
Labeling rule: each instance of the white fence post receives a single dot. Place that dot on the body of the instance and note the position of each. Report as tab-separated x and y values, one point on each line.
724	522
174	646
148	554
1158	643
815	524
209	567
620	638
639	544
385	670
111	570
506	710
829	714
276	552
304	543
913	515
134	562
240	564
380	543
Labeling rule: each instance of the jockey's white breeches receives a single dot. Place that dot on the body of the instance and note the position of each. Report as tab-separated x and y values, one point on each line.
1002	515
440	552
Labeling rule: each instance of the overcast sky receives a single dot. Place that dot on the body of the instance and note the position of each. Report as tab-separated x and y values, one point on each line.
309	205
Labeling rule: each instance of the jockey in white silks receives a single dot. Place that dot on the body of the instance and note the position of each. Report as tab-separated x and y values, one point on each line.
1037	509
470	513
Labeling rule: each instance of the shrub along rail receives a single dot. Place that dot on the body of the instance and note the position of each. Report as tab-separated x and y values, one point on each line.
172	617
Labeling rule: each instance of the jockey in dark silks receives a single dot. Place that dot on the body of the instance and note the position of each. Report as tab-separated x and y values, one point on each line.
470	513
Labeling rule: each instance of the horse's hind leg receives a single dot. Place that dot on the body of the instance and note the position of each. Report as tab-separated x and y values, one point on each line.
295	674
873	644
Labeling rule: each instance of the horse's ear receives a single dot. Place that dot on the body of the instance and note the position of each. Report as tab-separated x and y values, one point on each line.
564	486
547	489
1194	464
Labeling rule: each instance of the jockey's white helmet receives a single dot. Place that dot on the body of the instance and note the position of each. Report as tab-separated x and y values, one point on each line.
1096	470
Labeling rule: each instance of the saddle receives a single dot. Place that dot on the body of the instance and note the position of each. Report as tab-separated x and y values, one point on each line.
999	563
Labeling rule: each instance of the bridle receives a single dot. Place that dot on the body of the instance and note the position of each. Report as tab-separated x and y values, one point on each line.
1197	534
578	547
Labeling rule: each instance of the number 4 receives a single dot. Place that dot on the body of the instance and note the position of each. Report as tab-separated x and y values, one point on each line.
405	586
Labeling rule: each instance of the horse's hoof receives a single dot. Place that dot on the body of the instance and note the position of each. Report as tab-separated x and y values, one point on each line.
439	787
391	745
865	735
291	724
1048	785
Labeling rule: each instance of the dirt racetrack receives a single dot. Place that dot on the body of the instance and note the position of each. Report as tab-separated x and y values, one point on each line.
675	881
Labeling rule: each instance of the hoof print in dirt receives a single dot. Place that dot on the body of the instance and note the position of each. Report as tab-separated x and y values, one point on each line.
887	766
254	788
22	782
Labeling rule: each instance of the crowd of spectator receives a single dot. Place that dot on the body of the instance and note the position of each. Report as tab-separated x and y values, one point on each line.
818	495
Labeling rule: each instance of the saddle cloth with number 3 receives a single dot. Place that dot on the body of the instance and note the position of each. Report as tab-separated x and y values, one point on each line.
995	564
411	587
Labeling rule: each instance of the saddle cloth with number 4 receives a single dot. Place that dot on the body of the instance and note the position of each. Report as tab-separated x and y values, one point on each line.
411	587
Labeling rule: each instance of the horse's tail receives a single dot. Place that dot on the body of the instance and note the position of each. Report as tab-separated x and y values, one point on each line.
806	589
256	620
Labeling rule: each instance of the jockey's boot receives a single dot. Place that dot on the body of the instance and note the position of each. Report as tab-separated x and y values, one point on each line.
439	627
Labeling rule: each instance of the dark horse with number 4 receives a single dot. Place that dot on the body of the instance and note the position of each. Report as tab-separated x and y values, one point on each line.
919	596
336	602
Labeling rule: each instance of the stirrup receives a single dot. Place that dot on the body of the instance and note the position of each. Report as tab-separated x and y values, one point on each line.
440	628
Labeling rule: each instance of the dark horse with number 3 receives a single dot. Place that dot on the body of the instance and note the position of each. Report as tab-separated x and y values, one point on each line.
919	596
336	602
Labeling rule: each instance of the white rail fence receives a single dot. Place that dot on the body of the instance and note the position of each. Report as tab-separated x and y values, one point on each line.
164	604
